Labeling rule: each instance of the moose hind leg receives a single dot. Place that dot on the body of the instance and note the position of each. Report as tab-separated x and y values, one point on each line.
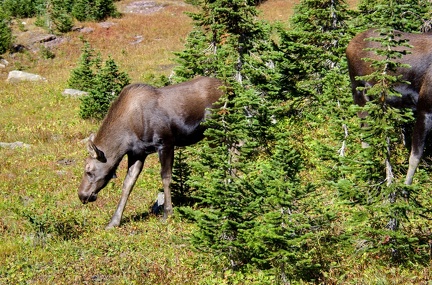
420	132
166	157
134	170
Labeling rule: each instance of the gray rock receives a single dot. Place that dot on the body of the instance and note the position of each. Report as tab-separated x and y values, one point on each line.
143	7
43	38
106	25
18	76
14	145
3	63
86	30
137	40
74	93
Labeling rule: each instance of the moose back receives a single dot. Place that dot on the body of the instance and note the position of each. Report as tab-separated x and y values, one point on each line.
145	120
416	95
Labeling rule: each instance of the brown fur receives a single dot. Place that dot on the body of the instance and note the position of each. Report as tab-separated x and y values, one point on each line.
417	95
144	120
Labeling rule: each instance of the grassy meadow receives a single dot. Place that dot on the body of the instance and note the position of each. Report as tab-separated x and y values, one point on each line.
46	235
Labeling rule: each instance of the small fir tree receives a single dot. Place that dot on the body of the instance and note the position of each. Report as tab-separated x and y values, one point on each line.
57	17
182	193
82	77
5	32
22	8
108	83
103	83
94	10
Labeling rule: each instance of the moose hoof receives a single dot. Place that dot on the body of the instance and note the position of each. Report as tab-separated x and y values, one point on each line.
112	224
167	214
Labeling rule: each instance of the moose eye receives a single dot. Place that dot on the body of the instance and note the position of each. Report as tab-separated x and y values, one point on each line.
89	174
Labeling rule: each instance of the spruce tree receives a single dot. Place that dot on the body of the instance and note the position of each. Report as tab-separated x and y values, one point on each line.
5	32
57	16
102	82
82	77
94	10
384	210
108	83
315	72
403	15
247	182
388	207
22	8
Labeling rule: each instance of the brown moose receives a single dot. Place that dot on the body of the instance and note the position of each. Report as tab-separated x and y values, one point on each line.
417	95
145	120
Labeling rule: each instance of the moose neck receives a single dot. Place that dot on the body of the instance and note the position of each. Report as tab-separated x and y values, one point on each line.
113	145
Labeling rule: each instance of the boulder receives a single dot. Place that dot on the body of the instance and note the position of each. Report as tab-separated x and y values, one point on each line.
18	76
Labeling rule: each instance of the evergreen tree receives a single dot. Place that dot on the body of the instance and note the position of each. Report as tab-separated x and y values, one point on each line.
57	16
320	24
384	210
182	195
313	52
246	181
403	15
82	77
108	83
94	10
315	72
104	9
387	206
5	32
22	8
103	83
315	69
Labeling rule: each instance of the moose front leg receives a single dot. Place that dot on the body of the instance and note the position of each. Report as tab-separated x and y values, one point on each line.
135	167
421	129
166	157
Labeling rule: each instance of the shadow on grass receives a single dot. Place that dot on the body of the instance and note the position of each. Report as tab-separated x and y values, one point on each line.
138	217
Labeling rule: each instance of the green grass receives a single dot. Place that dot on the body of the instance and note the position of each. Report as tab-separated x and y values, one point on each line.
46	235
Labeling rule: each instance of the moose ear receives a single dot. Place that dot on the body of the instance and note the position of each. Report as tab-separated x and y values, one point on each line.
94	151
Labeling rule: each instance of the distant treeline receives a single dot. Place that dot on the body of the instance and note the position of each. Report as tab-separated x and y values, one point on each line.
82	10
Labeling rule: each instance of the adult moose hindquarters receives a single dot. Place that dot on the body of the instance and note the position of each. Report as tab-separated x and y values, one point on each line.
416	95
144	120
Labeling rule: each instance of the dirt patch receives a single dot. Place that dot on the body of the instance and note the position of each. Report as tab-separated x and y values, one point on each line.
143	7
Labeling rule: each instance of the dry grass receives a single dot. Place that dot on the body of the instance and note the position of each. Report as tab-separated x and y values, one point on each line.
282	10
162	33
278	10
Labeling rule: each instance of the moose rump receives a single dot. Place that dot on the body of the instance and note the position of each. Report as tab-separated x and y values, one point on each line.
145	120
417	94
